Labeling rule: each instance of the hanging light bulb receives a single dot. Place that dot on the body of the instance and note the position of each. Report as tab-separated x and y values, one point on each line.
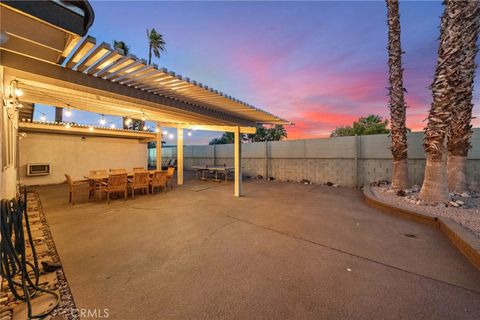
68	112
112	125
90	128
189	133
102	120
43	117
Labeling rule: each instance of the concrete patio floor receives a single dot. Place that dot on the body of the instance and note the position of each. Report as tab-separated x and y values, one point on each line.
284	251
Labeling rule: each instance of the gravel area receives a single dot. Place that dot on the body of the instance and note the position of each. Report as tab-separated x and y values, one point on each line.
463	209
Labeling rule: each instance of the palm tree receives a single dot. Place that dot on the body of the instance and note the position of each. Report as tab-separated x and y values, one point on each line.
121	45
445	82
397	102
461	129
156	44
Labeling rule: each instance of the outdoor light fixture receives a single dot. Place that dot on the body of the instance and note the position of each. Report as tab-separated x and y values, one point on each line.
102	120
157	130
43	117
90	128
145	128
112	125
68	112
170	136
18	92
128	121
189	133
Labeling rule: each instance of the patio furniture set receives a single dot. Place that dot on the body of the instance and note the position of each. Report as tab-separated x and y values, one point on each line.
118	181
200	172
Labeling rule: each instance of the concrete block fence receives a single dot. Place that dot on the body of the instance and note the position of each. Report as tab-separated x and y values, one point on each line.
348	161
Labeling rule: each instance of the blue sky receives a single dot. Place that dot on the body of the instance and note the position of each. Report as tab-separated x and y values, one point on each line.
319	64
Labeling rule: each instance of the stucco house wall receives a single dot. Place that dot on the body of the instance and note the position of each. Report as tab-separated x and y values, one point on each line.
76	155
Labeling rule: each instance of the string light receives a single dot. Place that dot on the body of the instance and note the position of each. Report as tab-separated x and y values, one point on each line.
67	125
43	117
68	112
102	120
90	128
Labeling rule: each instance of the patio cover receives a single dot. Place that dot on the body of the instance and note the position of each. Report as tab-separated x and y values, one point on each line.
57	67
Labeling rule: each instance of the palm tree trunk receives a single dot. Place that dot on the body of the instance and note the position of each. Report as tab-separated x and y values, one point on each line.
461	128
435	183
150	54
397	102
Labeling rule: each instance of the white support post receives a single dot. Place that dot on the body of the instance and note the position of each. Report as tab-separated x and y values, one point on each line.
238	162
159	148
180	156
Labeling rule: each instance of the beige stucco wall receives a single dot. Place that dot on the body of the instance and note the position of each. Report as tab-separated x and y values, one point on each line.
76	156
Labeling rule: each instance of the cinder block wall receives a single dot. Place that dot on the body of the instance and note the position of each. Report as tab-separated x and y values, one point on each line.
347	161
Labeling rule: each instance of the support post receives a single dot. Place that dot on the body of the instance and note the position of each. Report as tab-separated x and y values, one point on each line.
159	148
238	162
180	156
355	161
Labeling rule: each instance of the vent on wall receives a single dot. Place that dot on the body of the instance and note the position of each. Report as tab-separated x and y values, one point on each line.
38	169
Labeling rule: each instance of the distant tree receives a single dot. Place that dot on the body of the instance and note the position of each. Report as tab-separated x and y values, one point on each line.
156	44
275	133
226	138
372	124
121	45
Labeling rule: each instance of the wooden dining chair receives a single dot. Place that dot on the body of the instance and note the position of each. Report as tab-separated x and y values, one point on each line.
78	185
116	183
159	179
140	181
96	183
138	169
115	171
170	172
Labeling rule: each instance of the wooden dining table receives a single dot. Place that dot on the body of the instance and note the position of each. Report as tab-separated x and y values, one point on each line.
102	177
99	177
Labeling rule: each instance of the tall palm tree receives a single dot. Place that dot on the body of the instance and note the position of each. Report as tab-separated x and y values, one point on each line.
445	82
156	44
461	129
122	46
397	103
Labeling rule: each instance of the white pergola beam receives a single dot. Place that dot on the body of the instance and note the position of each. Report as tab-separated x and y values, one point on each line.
237	163
248	130
159	148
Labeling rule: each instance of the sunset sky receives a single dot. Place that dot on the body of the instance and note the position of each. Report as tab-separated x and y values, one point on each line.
317	64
